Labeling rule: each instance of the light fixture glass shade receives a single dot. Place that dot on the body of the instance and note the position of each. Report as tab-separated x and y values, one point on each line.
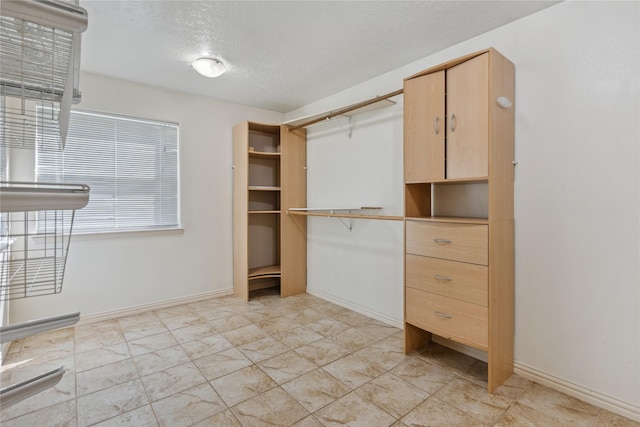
209	67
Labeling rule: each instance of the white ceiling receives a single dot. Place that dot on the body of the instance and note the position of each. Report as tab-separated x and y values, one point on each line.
281	54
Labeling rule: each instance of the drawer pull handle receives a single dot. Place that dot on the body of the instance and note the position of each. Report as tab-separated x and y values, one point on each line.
445	278
442	240
446	316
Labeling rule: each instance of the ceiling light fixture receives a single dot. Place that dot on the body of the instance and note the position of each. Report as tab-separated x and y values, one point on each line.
209	67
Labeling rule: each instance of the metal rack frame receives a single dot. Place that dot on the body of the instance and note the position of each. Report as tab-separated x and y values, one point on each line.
39	75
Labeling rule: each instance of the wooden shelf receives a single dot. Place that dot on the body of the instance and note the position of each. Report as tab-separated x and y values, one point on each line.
263	212
263	188
458	220
269	175
451	181
270	271
264	155
338	213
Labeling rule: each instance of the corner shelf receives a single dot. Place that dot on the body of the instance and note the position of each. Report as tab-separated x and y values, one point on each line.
264	155
263	188
269	271
263	212
268	177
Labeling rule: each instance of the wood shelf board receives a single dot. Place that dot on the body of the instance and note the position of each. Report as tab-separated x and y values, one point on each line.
481	179
344	215
264	212
264	128
264	154
361	208
263	188
264	272
450	219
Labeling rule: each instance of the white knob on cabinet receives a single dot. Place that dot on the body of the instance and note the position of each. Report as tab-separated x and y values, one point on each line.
504	102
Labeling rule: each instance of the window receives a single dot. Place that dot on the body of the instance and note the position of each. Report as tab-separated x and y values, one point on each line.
131	165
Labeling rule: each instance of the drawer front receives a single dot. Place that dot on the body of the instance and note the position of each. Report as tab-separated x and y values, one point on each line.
450	318
459	280
458	242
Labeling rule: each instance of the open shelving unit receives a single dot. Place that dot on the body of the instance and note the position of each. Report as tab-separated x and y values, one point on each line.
269	176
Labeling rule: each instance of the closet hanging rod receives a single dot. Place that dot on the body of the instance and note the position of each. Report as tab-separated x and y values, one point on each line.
345	110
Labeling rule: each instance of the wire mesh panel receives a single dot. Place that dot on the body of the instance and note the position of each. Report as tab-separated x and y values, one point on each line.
34	242
39	67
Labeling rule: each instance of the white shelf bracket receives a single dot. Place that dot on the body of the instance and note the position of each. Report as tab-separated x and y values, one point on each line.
348	225
349	130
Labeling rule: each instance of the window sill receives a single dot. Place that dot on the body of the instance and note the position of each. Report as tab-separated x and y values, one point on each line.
125	233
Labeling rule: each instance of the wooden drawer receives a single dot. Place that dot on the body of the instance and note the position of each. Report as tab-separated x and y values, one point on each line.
459	280
458	242
450	318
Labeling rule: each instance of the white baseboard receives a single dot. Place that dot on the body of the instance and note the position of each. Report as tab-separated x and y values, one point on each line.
598	399
357	308
109	315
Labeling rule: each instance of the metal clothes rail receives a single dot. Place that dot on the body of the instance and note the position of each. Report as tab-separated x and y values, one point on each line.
345	110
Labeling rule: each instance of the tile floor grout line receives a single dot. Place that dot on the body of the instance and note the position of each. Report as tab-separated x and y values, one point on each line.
306	310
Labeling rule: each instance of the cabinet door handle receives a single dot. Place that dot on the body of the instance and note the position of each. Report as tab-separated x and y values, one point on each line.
446	316
435	125
445	278
442	240
453	122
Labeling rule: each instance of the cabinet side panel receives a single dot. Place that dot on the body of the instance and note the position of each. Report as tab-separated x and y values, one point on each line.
501	303
501	138
293	256
501	221
240	207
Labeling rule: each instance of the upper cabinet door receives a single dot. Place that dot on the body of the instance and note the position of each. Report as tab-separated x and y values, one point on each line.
424	128
468	119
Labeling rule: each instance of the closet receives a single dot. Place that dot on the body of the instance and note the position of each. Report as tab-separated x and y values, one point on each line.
458	174
269	176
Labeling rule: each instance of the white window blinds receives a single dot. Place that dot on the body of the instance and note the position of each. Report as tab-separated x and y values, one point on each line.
131	165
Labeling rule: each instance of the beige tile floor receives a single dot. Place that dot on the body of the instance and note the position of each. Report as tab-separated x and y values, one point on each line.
298	361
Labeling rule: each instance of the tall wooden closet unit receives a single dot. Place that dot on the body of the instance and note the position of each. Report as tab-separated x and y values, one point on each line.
458	173
269	176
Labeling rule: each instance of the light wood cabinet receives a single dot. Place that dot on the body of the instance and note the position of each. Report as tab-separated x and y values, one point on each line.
458	151
268	177
467	119
424	128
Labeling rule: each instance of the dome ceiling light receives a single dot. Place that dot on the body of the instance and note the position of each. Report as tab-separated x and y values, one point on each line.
209	67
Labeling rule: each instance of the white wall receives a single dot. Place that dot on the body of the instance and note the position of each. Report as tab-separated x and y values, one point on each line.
113	272
361	268
576	203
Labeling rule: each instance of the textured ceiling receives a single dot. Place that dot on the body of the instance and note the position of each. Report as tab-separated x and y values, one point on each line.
281	54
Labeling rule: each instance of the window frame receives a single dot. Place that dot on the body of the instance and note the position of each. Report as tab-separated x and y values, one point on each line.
99	229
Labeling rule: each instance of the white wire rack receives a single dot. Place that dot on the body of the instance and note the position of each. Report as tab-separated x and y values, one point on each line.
39	70
35	240
39	74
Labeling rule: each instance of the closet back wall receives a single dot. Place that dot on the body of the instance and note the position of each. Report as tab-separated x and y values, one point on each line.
112	272
362	268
